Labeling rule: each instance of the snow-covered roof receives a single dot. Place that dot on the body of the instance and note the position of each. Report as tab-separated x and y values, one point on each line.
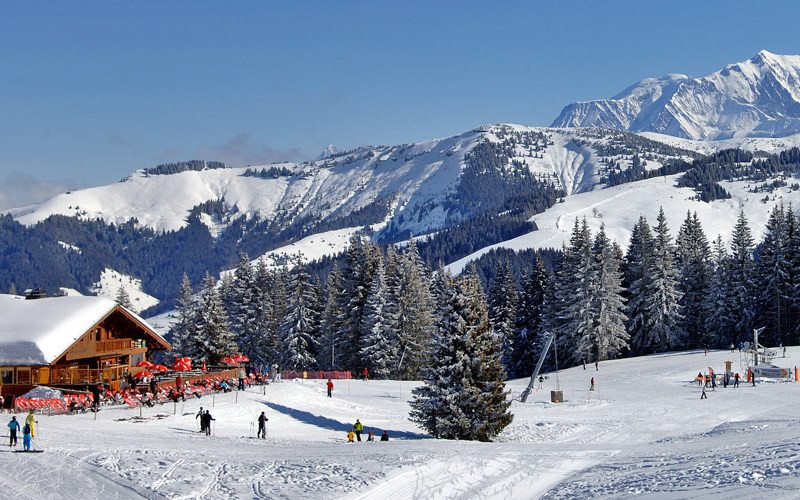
37	332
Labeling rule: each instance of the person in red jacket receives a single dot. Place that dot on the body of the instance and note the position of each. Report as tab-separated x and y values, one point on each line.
365	373
330	388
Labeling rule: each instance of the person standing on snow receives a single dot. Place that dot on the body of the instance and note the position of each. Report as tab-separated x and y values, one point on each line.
592	387
13	427
242	375
262	426
30	420
365	373
736	380
704	395
541	381
384	436
359	428
206	421
26	437
200	416
330	388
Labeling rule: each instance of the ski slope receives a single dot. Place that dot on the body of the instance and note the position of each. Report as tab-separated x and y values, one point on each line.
644	431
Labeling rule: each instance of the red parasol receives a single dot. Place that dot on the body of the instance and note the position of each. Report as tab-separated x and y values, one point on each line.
241	358
146	364
160	368
182	366
230	361
143	373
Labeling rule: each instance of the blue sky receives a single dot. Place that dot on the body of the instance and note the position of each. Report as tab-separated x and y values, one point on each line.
91	91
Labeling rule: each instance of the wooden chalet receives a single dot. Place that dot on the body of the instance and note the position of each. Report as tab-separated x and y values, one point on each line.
69	342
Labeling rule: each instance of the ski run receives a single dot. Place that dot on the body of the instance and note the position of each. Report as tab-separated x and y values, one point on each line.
643	432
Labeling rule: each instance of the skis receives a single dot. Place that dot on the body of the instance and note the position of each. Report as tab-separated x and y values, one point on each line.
28	451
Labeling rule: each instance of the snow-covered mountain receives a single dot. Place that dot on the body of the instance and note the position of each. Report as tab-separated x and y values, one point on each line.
756	98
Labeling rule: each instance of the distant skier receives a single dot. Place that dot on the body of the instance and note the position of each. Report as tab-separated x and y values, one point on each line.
384	436
700	378
541	381
592	387
30	420
365	373
736	380
206	421
262	425
26	437
597	366
704	395
359	428
13	427
200	416
242	376
350	436
370	436
330	388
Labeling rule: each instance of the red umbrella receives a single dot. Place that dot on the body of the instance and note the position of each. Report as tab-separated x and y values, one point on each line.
241	358
188	360
145	364
230	361
182	366
160	368
143	373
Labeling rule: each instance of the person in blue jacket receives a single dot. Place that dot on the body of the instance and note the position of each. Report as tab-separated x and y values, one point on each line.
13	427
26	437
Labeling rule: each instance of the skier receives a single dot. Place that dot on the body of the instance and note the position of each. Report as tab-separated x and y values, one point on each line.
13	427
704	395
597	366
330	388
541	381
206	420
242	375
370	436
384	436
30	420
365	373
200	416
736	380
277	377
350	436
359	428
592	387
700	378
26	437
262	426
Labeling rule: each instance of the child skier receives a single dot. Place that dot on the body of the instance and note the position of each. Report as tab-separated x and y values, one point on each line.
13	427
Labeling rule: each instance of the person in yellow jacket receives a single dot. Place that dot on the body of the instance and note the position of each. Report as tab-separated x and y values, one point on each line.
30	420
350	436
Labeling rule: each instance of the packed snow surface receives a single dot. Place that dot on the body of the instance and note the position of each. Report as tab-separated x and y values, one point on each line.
644	432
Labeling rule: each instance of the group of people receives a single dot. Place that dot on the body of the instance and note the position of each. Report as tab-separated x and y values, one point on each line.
27	430
205	420
355	433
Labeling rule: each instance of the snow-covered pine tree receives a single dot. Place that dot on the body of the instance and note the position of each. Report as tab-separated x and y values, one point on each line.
415	310
694	256
662	331
464	396
772	279
530	318
573	320
717	303
257	340
300	322
793	258
184	328
503	298
742	280
213	339
607	338
380	346
330	320
637	261
239	300
356	278
123	298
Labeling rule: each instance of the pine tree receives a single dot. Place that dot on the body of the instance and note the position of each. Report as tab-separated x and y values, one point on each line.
742	277
415	310
694	256
381	344
503	300
257	340
637	261
717	304
607	338
184	328
123	298
212	340
464	396
772	275
331	320
530	315
300	322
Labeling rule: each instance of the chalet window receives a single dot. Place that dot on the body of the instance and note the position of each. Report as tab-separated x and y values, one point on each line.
23	375
97	335
7	375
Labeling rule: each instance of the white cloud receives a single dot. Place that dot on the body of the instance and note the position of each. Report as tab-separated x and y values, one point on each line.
19	189
242	150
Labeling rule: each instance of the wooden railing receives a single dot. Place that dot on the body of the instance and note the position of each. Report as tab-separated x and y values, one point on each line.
71	375
113	345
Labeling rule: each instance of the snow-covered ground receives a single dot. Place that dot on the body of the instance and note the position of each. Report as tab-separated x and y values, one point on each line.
644	431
